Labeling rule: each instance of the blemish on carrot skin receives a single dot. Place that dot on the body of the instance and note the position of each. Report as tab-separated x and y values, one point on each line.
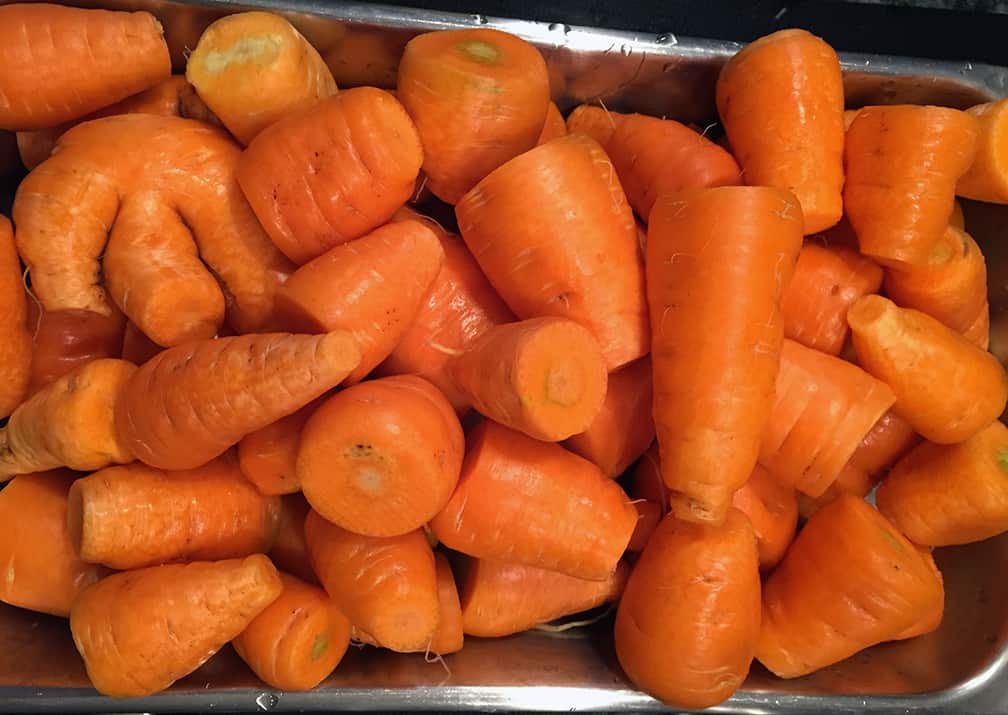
1002	458
320	646
890	539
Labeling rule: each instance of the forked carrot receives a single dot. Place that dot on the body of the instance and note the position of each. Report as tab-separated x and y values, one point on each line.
137	347
987	177
554	127
63	340
289	551
772	509
449	636
268	456
597	122
15	338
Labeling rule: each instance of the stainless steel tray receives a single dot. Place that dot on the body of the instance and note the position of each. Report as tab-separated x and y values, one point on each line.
961	668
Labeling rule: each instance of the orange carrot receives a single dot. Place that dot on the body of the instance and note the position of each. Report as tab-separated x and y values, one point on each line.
289	551
545	377
957	219
537	504
987	177
696	588
298	640
387	587
946	388
381	458
268	456
63	340
372	287
137	347
902	163
931	615
61	63
848	118
781	101
191	402
772	509
701	243
478	97
15	339
140	631
554	127
649	515
597	122
646	479
850	580
571	253
449	635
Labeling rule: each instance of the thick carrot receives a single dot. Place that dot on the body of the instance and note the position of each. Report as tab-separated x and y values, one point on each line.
987	177
597	122
781	101
902	164
61	63
381	458
545	377
478	97
332	172
700	244
537	504
298	640
253	68
649	515
695	590
623	429
190	403
946	388
449	636
137	347
268	456
289	551
772	509
826	282
387	587
15	338
850	580
554	126
572	252
372	287
140	631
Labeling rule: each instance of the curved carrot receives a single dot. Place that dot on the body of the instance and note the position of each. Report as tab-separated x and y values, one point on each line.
781	101
137	347
268	456
140	631
597	122
478	97
772	509
916	355
987	177
699	242
554	127
289	551
15	338
572	252
695	589
381	458
536	504
61	63
191	403
449	635
850	580
66	339
649	515
902	163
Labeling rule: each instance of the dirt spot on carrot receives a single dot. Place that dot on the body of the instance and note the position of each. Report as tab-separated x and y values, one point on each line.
320	646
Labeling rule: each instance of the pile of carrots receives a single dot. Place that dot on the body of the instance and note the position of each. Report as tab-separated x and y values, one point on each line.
255	395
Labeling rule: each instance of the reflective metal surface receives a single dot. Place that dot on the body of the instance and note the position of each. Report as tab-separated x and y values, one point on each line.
961	668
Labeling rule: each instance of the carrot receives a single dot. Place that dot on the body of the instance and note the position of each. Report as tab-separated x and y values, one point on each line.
826	281
649	515
387	587
850	580
42	572
572	252
61	63
902	163
63	340
939	495
298	640
781	102
140	631
381	458
623	429
371	287
931	615
987	177
946	388
478	97
772	509
191	403
822	410
536	504
848	118
15	338
597	122
545	377
957	219
695	590
554	127
646	479
137	347
268	456
253	68
700	243
449	636
501	598
289	551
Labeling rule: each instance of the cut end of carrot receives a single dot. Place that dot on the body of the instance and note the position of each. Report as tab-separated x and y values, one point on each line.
867	311
480	51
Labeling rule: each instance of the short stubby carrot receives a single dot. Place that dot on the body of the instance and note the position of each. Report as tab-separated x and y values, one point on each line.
554	127
987	177
695	590
381	458
903	162
479	98
701	243
137	347
850	580
449	637
537	504
268	456
946	388
781	100
140	631
572	252
15	338
597	122
63	340
772	509
289	551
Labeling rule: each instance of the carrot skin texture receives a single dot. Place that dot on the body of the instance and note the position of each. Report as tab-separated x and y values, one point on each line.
63	340
649	515
15	340
554	127
772	509
449	637
987	177
597	122
268	456
290	551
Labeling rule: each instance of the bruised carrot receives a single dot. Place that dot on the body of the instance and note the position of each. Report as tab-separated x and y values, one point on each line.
781	101
946	388
381	458
140	631
572	253
554	127
191	403
903	162
137	347
15	338
987	177
371	287
772	509
537	504
289	551
268	456
698	242
696	588
649	515
597	122
449	635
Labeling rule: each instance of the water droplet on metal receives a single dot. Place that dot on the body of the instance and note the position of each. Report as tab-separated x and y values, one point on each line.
479	19
625	50
559	27
267	701
667	38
